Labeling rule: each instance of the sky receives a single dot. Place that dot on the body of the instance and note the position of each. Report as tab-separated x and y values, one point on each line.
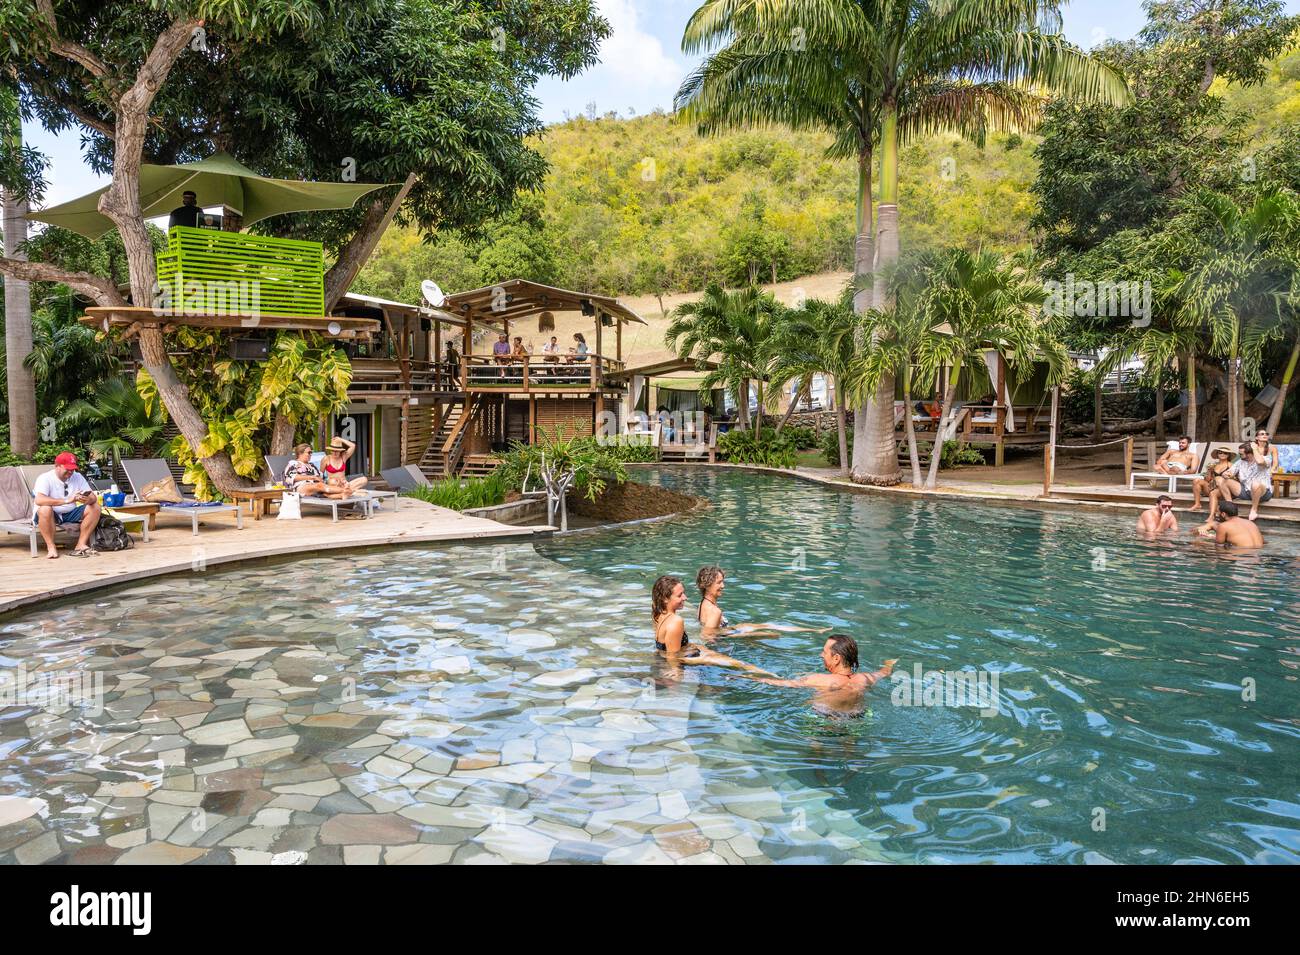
641	67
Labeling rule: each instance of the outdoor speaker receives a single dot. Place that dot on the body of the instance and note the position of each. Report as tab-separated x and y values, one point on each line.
250	349
426	324
587	308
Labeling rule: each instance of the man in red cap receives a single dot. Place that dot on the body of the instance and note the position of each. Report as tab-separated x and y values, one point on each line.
63	496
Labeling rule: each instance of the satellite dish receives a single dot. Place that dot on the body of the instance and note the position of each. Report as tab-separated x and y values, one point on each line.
432	294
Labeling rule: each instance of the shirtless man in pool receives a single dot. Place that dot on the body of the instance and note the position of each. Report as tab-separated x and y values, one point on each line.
841	687
1158	519
1180	461
1234	530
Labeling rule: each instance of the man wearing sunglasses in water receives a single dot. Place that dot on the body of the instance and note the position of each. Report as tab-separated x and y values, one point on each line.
1158	519
63	496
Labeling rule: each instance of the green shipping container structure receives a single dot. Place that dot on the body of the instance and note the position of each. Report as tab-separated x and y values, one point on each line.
208	272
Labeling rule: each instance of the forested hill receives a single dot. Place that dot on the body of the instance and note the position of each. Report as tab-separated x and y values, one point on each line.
645	205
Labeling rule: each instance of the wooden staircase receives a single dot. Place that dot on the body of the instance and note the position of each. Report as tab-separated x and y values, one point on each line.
477	465
443	457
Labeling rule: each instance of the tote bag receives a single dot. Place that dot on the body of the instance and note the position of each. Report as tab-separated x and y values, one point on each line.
290	508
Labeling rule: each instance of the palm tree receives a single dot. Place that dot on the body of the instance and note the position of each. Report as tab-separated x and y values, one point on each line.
1243	287
20	386
118	420
972	301
740	328
880	73
821	338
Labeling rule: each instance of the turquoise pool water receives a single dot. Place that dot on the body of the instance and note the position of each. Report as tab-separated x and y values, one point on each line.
1122	732
484	704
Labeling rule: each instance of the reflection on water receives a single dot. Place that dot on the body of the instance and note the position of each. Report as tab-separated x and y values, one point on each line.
476	703
1148	692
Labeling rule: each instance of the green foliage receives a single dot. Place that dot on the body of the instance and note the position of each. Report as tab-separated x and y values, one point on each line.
588	463
305	378
612	223
770	449
956	454
629	449
45	453
830	446
804	439
117	420
461	494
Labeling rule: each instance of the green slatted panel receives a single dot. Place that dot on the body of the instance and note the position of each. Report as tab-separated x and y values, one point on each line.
206	271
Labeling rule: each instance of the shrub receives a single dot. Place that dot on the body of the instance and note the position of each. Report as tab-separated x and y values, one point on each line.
622	448
830	445
955	454
773	450
805	439
460	494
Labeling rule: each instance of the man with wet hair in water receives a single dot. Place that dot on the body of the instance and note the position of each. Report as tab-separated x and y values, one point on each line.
841	687
1158	519
1234	530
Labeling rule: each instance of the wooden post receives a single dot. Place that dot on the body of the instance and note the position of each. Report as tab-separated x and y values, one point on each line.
1096	410
618	341
1160	407
437	355
1128	460
1049	462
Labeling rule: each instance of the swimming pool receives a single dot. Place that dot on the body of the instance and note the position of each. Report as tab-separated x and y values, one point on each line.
499	703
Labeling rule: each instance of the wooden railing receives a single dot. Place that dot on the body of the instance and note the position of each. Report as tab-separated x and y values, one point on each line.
377	375
533	373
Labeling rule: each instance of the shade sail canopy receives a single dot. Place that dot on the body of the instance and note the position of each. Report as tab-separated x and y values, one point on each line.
219	180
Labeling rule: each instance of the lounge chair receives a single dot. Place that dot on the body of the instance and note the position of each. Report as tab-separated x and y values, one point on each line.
1198	450
367	498
405	478
143	471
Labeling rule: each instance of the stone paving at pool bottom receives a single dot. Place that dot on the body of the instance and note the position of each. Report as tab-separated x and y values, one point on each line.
433	713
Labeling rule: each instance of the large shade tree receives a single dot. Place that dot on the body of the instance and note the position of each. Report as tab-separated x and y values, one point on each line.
432	92
876	74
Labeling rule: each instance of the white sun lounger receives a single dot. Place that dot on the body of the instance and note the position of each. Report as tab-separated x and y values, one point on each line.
1197	449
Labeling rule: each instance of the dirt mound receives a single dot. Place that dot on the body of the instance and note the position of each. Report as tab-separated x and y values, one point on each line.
633	501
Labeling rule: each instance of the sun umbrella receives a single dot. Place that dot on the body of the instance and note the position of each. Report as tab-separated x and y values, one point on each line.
218	180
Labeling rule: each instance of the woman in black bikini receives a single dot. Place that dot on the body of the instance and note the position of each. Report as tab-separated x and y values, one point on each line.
1213	477
671	639
711	581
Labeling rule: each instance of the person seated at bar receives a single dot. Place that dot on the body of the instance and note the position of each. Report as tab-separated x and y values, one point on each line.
1158	519
501	352
1220	464
187	213
1178	460
518	351
551	350
63	496
578	352
338	453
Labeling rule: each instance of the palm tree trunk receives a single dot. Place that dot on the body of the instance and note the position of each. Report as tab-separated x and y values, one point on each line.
805	384
1275	416
18	334
758	411
1191	395
1160	407
1097	403
742	404
912	453
842	422
864	260
936	452
1234	407
875	449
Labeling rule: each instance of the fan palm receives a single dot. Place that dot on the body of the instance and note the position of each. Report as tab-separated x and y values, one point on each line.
875	74
118	420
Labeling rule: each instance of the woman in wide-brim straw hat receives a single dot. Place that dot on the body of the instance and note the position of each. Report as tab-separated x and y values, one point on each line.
337	454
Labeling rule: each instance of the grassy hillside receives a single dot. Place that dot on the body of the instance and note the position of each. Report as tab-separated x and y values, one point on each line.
645	205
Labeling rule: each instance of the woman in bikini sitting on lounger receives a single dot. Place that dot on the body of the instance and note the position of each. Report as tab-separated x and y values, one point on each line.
303	477
337	454
711	581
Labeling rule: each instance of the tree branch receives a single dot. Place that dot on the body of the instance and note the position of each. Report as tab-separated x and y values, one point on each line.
359	248
66	48
102	290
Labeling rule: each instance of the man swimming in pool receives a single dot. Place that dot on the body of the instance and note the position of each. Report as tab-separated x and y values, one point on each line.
1158	519
1180	461
1234	530
841	687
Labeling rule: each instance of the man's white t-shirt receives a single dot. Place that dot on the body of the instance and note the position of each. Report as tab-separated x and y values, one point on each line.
49	485
550	348
1251	474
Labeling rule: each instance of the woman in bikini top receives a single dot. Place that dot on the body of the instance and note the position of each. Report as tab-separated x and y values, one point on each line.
710	581
669	596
